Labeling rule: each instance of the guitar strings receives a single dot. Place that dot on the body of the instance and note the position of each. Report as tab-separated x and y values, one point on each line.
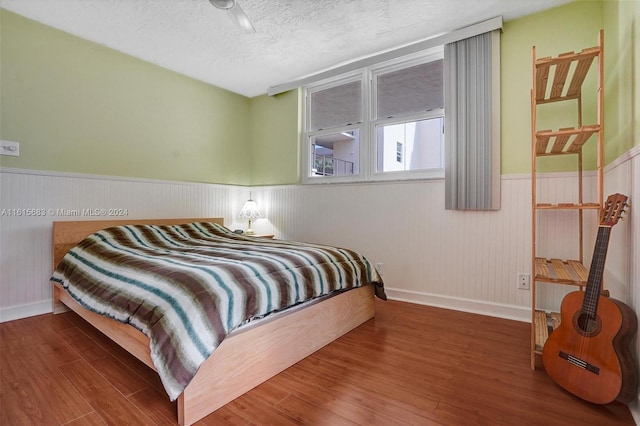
592	294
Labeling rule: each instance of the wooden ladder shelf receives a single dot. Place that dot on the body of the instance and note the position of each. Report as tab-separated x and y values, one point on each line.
558	79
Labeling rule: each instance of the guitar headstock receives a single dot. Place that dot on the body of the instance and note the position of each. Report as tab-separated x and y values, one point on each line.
613	209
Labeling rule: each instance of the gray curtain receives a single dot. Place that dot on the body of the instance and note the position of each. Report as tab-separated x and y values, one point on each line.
472	175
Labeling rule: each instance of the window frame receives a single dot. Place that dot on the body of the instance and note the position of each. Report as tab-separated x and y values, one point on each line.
307	135
368	126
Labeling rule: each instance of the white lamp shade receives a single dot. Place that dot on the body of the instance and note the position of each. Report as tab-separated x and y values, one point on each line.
250	211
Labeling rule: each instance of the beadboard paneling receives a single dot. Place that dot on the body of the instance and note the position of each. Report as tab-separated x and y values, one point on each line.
622	272
460	260
25	241
428	253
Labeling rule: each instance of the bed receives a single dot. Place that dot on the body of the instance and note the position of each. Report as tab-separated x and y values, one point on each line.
281	339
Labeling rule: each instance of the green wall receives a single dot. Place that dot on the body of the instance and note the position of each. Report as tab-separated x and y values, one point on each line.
76	106
275	139
622	74
567	28
79	107
572	27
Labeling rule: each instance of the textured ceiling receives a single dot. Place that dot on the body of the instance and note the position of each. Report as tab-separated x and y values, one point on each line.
293	38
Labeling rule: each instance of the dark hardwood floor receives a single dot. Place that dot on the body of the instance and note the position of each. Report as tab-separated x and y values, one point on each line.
411	365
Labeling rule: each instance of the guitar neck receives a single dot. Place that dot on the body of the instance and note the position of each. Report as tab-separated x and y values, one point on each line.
596	272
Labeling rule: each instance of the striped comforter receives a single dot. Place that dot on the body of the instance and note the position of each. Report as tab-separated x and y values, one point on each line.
186	287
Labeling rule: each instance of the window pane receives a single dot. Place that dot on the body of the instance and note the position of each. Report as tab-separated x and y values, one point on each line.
336	106
416	145
410	90
336	154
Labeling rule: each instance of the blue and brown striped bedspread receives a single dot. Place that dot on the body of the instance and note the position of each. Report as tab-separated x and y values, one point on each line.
186	287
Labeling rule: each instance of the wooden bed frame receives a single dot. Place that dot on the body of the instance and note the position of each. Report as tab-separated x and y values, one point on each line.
244	359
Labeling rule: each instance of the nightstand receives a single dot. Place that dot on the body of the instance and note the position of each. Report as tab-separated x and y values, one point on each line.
263	236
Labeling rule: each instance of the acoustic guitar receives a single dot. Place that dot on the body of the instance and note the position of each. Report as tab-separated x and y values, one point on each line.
588	354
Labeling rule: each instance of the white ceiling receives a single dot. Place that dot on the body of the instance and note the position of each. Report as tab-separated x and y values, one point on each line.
293	39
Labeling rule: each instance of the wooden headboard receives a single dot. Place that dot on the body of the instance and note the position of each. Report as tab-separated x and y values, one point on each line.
67	234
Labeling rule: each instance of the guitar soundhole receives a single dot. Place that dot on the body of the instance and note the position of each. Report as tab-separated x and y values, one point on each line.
586	325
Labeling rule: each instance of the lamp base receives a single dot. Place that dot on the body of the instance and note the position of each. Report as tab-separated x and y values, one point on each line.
249	231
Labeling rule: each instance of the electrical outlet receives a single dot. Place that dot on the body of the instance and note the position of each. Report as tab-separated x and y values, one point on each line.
524	281
380	267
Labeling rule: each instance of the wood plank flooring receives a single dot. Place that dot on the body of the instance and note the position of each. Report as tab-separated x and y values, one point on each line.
410	365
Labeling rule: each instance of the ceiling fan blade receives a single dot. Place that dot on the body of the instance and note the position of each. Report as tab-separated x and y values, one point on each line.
223	4
241	18
236	12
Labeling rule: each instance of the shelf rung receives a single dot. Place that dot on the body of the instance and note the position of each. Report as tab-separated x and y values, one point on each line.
579	270
561	140
560	77
547	61
579	75
561	84
564	141
542	330
560	271
544	321
567	206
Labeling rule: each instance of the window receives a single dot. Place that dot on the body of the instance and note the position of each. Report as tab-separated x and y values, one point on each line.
408	117
418	146
335	154
386	120
333	129
382	122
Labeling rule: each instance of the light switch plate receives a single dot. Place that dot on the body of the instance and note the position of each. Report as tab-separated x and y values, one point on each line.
10	148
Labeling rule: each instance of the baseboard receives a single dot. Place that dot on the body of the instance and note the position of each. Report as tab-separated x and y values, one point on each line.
23	311
512	312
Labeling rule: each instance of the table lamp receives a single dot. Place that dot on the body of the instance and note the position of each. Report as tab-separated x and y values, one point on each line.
250	211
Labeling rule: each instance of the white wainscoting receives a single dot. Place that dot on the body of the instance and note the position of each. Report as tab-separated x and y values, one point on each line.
467	261
25	241
634	256
622	272
460	260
